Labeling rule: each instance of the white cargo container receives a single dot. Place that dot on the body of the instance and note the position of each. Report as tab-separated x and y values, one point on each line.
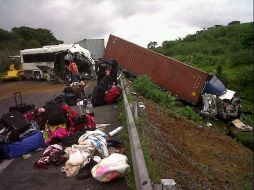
95	46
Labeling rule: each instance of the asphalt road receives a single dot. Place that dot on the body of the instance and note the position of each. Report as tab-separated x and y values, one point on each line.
20	173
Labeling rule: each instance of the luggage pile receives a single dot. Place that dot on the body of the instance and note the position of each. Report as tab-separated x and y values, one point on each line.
26	128
71	138
18	135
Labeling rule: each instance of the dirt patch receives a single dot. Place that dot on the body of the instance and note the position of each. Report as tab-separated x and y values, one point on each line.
196	158
28	87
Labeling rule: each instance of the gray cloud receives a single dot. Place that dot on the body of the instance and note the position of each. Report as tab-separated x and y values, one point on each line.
208	13
138	20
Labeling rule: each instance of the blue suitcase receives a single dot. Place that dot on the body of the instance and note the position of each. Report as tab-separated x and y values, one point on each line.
26	145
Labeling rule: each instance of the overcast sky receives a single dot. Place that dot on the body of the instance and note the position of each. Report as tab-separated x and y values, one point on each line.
138	21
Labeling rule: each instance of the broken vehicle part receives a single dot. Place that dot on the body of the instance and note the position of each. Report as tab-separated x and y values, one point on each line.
55	58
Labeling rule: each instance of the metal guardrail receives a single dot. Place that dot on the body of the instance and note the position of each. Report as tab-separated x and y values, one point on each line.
142	179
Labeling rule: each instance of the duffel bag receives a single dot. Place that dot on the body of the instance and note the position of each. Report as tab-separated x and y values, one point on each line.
26	145
113	94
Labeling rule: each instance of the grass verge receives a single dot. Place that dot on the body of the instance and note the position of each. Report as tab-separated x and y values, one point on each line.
124	137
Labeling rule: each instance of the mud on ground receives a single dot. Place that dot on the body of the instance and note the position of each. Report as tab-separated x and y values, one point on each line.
28	87
196	158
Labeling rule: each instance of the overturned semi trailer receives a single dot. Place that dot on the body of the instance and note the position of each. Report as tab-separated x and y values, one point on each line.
179	78
49	62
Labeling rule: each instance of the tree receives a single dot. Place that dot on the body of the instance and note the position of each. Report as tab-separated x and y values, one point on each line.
43	36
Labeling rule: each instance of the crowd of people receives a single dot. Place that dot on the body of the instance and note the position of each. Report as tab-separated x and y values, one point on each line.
106	75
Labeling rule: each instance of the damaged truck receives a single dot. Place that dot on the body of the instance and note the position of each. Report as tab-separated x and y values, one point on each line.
186	82
50	62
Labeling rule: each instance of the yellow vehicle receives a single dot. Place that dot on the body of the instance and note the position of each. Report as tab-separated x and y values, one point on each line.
15	71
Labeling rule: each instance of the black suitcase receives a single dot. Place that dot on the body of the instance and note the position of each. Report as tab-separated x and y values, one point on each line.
15	123
22	107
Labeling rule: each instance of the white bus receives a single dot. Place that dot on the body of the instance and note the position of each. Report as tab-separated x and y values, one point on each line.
49	62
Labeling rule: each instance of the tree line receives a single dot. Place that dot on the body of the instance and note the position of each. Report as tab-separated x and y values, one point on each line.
11	42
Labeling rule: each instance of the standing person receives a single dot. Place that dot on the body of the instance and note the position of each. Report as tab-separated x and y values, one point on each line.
102	67
97	64
73	68
114	70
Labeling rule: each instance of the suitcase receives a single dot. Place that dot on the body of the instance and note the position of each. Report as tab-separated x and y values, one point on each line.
15	123
26	145
22	107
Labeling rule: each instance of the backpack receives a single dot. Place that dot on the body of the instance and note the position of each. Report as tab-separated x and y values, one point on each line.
87	123
54	113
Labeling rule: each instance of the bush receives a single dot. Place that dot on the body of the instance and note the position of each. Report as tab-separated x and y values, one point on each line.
147	88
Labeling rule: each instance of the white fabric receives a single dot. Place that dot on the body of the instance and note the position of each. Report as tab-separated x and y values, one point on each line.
78	156
228	95
98	139
110	168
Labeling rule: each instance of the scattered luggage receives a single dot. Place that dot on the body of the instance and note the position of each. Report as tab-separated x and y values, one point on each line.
72	139
98	96
68	98
54	113
52	134
37	115
113	94
110	168
76	90
22	107
12	124
87	121
26	145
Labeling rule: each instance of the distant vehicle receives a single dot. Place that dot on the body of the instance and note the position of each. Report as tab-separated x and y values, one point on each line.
49	62
15	71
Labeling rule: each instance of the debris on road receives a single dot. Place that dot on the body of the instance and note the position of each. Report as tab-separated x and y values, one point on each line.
240	125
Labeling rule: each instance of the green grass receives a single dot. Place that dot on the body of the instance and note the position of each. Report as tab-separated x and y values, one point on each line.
124	137
145	144
130	98
148	89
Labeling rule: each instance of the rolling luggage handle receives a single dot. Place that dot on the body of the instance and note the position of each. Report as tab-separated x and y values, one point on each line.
15	97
